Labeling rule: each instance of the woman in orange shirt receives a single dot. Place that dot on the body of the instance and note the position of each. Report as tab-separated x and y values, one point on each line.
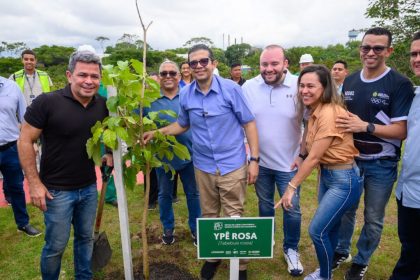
325	145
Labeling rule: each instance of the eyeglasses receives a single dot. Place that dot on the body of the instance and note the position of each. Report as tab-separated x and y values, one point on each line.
164	74
376	49
414	54
203	62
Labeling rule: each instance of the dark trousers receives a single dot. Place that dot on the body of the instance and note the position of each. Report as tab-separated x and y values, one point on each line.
408	266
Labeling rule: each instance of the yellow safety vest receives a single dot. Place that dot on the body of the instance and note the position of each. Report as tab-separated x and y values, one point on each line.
43	79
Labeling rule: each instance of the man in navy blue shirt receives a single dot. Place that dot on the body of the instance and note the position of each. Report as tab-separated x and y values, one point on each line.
378	99
217	113
12	110
169	100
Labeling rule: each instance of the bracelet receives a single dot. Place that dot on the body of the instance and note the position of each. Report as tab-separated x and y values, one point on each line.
292	186
303	156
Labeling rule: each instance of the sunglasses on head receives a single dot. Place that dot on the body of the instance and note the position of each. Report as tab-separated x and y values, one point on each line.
376	49
203	62
414	54
166	73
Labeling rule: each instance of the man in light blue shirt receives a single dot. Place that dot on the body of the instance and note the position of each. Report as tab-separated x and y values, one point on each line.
169	100
12	109
217	113
408	187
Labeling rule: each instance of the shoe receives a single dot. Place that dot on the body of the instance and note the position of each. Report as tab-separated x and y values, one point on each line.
8	200
339	259
243	275
30	230
314	275
175	200
194	237
294	265
152	206
168	237
113	203
356	272
209	270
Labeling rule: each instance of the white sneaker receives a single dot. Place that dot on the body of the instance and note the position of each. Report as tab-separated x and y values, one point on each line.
314	275
294	266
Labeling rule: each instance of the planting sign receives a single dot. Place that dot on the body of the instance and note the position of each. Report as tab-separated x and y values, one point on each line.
244	238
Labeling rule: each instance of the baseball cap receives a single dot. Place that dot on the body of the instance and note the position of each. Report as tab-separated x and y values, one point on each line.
305	58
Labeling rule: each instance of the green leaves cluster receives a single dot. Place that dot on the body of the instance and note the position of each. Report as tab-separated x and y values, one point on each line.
128	123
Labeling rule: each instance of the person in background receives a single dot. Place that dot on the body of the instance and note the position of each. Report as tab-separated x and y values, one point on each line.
305	60
186	74
325	145
408	187
169	100
31	81
236	74
12	110
378	99
339	72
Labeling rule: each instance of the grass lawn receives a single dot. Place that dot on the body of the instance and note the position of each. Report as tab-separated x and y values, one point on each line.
19	254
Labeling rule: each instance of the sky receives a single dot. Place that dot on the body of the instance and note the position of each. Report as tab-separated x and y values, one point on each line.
258	23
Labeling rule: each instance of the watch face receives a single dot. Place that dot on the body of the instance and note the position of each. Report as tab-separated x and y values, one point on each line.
370	128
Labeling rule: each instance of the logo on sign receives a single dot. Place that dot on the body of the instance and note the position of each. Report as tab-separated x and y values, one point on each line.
218	226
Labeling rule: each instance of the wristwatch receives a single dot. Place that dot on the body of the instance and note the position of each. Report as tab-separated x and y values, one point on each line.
257	159
370	129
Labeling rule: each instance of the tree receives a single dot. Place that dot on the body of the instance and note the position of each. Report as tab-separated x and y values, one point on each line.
12	49
53	55
198	40
101	40
236	53
401	17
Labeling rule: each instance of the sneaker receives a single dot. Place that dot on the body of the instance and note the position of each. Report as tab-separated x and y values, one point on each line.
30	230
152	206
209	270
316	275
356	272
168	237
339	259
294	265
194	237
243	275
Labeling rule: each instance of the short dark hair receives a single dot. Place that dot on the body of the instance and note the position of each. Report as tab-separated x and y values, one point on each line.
342	62
378	31
416	36
28	51
83	56
236	64
201	47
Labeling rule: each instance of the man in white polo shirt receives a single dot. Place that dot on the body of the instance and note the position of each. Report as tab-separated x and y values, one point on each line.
272	98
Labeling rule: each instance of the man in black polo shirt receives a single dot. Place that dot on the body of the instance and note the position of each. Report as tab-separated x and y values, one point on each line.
65	188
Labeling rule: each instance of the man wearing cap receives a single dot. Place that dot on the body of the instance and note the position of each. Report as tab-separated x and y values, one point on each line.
65	188
272	99
31	81
305	60
12	110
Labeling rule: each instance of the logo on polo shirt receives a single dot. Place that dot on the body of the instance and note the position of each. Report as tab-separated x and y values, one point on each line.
348	95
380	98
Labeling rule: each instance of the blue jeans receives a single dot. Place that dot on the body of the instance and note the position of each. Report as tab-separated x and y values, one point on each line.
265	188
13	184
76	207
379	177
338	191
166	187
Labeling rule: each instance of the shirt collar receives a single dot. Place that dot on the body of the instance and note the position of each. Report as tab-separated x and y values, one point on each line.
215	85
315	114
287	82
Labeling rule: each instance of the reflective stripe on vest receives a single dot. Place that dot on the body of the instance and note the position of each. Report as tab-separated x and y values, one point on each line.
43	79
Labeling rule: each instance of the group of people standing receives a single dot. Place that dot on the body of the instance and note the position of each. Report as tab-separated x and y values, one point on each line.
353	134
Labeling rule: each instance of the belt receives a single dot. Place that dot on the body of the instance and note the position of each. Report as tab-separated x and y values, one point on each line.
7	146
339	166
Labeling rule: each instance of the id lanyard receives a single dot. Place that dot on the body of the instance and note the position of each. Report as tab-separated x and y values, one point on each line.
32	95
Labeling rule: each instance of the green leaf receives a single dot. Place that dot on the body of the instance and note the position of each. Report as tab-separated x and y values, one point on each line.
147	155
181	151
130	176
169	113
137	66
122	133
146	121
94	151
122	65
131	120
97	134
110	138
112	103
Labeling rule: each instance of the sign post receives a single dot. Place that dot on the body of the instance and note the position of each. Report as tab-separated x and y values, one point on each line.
234	239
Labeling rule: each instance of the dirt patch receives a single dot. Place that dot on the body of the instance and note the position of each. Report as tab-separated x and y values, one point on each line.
164	271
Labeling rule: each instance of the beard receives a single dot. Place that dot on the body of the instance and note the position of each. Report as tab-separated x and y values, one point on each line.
277	78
